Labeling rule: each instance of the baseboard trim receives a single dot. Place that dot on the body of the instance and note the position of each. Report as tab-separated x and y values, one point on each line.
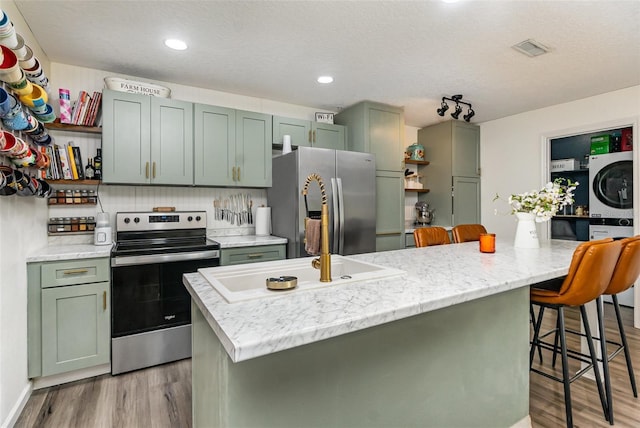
15	412
523	423
45	382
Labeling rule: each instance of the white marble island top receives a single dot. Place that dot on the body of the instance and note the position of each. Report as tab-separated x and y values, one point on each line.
436	277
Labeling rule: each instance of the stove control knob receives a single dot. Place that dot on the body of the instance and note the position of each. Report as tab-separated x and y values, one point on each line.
189	218
136	220
127	220
198	218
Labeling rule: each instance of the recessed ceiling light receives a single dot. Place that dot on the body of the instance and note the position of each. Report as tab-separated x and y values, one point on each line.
176	44
325	79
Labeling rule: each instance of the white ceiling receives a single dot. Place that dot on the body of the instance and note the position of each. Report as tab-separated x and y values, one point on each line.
404	53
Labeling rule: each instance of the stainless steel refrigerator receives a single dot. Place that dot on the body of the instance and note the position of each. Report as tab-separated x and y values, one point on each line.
350	185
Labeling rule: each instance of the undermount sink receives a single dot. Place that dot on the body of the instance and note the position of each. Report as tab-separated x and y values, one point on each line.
244	282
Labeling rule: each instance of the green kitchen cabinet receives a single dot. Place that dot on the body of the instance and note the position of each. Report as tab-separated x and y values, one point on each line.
68	315
232	147
390	234
214	144
261	253
453	175
309	134
146	140
251	160
75	327
378	129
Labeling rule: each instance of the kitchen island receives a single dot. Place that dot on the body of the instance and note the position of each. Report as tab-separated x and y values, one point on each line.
445	344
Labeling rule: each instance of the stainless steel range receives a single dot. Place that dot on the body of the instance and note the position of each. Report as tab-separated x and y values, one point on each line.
150	307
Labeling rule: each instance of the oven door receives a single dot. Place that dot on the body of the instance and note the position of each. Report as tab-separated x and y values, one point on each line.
151	296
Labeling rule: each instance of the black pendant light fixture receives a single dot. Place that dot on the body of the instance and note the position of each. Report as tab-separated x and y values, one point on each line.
458	110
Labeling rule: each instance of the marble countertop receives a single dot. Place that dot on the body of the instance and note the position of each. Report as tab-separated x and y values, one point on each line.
246	240
436	277
69	252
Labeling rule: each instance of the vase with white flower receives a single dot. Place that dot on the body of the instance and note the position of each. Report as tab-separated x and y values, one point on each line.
539	206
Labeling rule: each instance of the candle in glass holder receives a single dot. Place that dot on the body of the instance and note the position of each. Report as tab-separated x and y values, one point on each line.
487	242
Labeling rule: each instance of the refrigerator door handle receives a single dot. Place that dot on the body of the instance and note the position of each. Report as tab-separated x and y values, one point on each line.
341	212
336	215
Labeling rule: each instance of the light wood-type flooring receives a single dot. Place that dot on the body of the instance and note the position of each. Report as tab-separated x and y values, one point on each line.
161	396
546	398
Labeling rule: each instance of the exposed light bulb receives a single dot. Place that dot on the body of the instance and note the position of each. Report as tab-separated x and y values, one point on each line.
325	79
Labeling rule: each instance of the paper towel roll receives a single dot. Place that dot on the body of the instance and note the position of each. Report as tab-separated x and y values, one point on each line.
263	221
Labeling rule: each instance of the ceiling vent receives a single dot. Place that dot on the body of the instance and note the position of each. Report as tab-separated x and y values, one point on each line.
531	48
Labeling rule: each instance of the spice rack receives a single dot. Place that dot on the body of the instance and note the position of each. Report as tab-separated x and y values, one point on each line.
73	197
71	225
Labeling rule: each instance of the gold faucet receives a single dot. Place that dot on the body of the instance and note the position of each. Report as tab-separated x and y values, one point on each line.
324	262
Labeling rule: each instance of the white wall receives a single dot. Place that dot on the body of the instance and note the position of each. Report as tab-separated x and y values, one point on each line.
21	231
514	157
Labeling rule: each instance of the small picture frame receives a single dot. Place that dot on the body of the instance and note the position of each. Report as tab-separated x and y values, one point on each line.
324	117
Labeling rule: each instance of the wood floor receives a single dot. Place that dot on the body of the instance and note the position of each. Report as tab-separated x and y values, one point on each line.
161	396
546	398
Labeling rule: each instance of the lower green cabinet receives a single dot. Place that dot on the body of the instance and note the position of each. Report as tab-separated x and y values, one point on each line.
262	253
75	327
68	315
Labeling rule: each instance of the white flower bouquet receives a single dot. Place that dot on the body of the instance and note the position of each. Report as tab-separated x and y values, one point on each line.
546	202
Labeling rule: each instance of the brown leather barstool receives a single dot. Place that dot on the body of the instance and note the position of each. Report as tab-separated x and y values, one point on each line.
590	272
428	236
467	232
625	274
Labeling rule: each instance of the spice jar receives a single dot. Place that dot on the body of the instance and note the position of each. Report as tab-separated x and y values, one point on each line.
91	224
82	227
66	224
68	196
84	197
75	224
77	196
93	199
60	195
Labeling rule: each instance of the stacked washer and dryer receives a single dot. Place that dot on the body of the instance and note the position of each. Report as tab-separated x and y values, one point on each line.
611	201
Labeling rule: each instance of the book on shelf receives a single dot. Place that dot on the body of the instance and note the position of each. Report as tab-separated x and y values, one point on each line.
62	158
86	109
77	157
72	162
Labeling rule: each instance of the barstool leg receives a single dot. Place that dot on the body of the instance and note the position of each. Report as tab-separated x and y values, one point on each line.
623	339
536	333
605	361
565	368
555	345
533	321
594	359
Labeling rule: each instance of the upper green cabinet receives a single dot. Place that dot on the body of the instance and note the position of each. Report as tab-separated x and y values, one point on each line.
309	134
232	147
378	129
453	175
146	140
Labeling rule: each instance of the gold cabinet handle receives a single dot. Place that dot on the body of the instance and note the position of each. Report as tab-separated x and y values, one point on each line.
255	256
314	136
309	135
154	169
238	173
233	173
146	170
104	300
75	271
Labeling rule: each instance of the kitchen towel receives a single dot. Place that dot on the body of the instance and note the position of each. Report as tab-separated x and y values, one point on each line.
263	221
312	237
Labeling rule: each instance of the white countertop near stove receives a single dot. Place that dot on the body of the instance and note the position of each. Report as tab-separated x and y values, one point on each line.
246	240
69	252
436	277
